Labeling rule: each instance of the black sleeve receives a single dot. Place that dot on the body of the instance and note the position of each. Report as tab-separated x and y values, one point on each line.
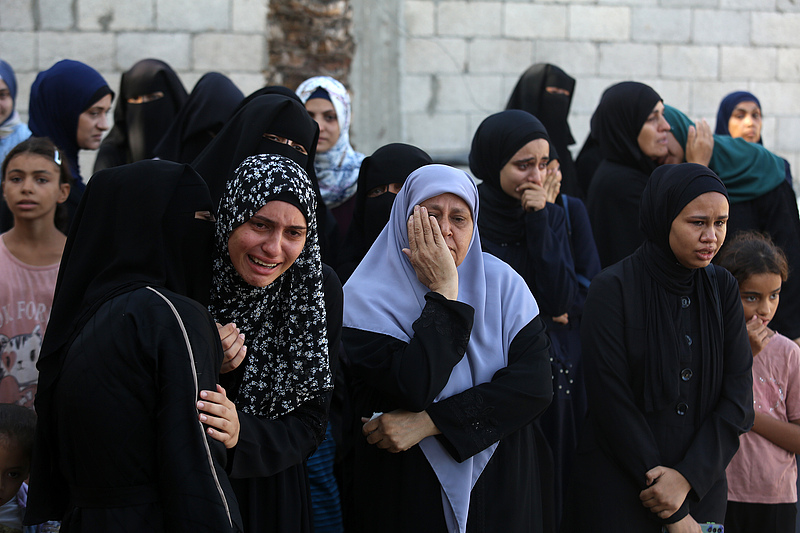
267	447
410	375
482	415
550	270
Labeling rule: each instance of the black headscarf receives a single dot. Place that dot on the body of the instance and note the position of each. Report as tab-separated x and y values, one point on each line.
552	110
669	190
284	322
201	118
618	119
135	226
497	139
138	127
389	164
269	89
243	136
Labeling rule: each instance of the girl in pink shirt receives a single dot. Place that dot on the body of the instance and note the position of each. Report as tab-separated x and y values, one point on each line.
762	475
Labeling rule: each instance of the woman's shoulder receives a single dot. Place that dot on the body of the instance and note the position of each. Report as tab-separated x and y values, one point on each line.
159	302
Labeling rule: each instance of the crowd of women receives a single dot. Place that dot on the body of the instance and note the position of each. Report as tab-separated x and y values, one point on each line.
241	323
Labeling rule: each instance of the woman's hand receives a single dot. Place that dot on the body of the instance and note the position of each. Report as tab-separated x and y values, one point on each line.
534	197
232	346
430	255
687	524
552	181
399	430
759	334
219	414
700	144
667	489
561	319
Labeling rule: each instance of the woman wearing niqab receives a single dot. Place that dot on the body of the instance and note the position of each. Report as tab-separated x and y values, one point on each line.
201	118
476	367
534	93
292	329
667	369
129	346
150	96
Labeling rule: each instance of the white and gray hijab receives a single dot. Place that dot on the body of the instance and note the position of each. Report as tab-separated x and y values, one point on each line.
384	296
284	323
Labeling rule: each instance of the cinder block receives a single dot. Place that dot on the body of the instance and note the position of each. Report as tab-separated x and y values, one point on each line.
778	97
748	63
417	93
94	49
419	17
786	135
696	4
24	82
535	21
716	26
438	133
499	56
55	15
249	15
172	48
706	96
435	56
215	51
690	62
633	3
574	58
627	60
109	15
193	15
660	25
470	94
673	92
779	29
789	64
587	94
468	19
248	82
18	48
788	5
599	23
16	15
748	5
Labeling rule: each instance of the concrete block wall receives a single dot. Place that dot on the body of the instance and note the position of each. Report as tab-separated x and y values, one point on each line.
428	71
462	58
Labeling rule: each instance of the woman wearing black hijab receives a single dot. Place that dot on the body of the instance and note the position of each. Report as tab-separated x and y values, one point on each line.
150	96
545	91
120	445
510	153
630	127
380	177
667	369
201	118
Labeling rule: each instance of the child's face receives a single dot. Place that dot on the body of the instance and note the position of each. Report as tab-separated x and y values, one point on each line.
31	186
760	296
14	468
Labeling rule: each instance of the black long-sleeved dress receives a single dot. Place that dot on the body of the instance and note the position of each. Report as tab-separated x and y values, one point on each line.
129	451
400	492
622	441
268	465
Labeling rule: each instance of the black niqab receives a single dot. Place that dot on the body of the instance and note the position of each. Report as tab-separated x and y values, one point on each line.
497	139
201	118
618	119
552	109
138	127
669	190
389	164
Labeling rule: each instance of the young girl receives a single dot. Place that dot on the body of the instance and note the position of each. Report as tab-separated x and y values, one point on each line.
761	477
35	181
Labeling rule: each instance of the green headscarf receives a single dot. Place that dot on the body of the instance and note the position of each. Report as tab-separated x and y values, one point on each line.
748	170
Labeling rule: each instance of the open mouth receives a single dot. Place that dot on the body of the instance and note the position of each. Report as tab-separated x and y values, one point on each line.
261	263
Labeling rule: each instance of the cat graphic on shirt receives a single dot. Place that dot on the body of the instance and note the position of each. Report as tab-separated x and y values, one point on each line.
18	367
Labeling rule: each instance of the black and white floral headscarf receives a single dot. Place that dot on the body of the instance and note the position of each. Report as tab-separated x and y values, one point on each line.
284	323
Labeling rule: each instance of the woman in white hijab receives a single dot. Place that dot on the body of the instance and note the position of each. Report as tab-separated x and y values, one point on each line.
447	351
